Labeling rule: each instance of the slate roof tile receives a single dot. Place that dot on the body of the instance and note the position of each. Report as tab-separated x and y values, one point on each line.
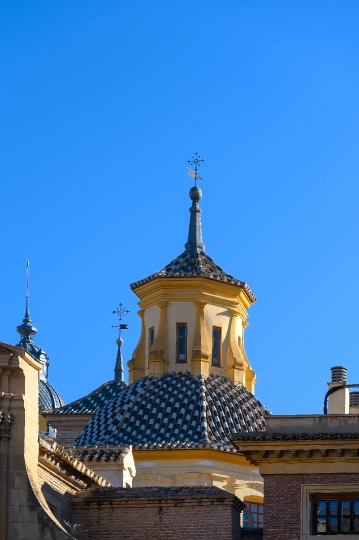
49	398
90	403
195	263
191	412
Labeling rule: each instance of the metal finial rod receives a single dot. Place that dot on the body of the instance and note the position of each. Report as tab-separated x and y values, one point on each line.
195	161
27	296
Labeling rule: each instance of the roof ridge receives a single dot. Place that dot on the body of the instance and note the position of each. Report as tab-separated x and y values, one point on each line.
204	423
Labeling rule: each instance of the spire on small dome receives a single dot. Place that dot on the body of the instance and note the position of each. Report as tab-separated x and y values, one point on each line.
26	329
194	241
121	311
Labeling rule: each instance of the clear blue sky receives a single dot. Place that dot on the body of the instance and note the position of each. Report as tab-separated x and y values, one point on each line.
101	105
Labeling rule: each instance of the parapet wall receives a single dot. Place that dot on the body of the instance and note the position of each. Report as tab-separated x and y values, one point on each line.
196	513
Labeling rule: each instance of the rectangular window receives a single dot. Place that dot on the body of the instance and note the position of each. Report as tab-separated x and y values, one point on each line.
181	342
216	345
151	336
336	515
253	515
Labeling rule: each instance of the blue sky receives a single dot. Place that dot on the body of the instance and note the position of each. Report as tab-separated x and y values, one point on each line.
101	105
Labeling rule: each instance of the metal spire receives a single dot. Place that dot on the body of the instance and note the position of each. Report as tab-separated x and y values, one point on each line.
194	241
120	311
26	330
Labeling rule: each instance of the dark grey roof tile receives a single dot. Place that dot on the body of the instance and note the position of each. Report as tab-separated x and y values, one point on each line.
195	263
190	411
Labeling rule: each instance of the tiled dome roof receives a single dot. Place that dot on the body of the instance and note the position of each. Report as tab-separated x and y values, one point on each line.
94	401
176	411
48	397
195	263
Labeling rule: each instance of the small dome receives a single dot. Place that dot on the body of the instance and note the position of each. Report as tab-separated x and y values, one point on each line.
176	411
48	397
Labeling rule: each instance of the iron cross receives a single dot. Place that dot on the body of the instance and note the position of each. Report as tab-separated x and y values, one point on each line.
120	311
195	160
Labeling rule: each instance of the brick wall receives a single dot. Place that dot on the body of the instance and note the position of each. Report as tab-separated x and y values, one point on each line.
153	513
282	496
58	493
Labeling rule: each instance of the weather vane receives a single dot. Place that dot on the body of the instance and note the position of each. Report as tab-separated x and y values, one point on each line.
195	160
120	311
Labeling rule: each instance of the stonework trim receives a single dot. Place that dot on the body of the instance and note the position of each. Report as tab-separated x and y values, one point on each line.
307	490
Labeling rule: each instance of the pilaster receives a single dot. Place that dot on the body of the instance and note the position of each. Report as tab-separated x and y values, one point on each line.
136	366
158	357
235	366
200	349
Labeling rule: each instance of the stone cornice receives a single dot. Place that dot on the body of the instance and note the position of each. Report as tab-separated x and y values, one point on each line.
307	453
185	288
68	420
9	356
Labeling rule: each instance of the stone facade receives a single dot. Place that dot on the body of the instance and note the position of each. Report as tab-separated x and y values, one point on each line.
158	514
38	478
24	512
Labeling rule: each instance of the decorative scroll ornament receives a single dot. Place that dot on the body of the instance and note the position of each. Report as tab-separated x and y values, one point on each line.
6	421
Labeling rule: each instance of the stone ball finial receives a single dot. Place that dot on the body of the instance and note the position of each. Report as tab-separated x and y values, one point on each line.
195	194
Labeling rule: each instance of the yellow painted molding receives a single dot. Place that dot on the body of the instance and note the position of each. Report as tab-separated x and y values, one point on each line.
253	498
167	288
181	455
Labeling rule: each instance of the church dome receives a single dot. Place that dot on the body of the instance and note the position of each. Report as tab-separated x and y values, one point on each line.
176	411
48	397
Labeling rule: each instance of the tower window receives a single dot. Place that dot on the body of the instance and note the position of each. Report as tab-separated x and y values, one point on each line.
181	342
151	335
216	345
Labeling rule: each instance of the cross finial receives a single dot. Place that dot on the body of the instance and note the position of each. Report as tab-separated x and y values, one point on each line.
120	311
195	160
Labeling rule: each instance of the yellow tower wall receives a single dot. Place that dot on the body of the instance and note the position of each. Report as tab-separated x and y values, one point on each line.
201	304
